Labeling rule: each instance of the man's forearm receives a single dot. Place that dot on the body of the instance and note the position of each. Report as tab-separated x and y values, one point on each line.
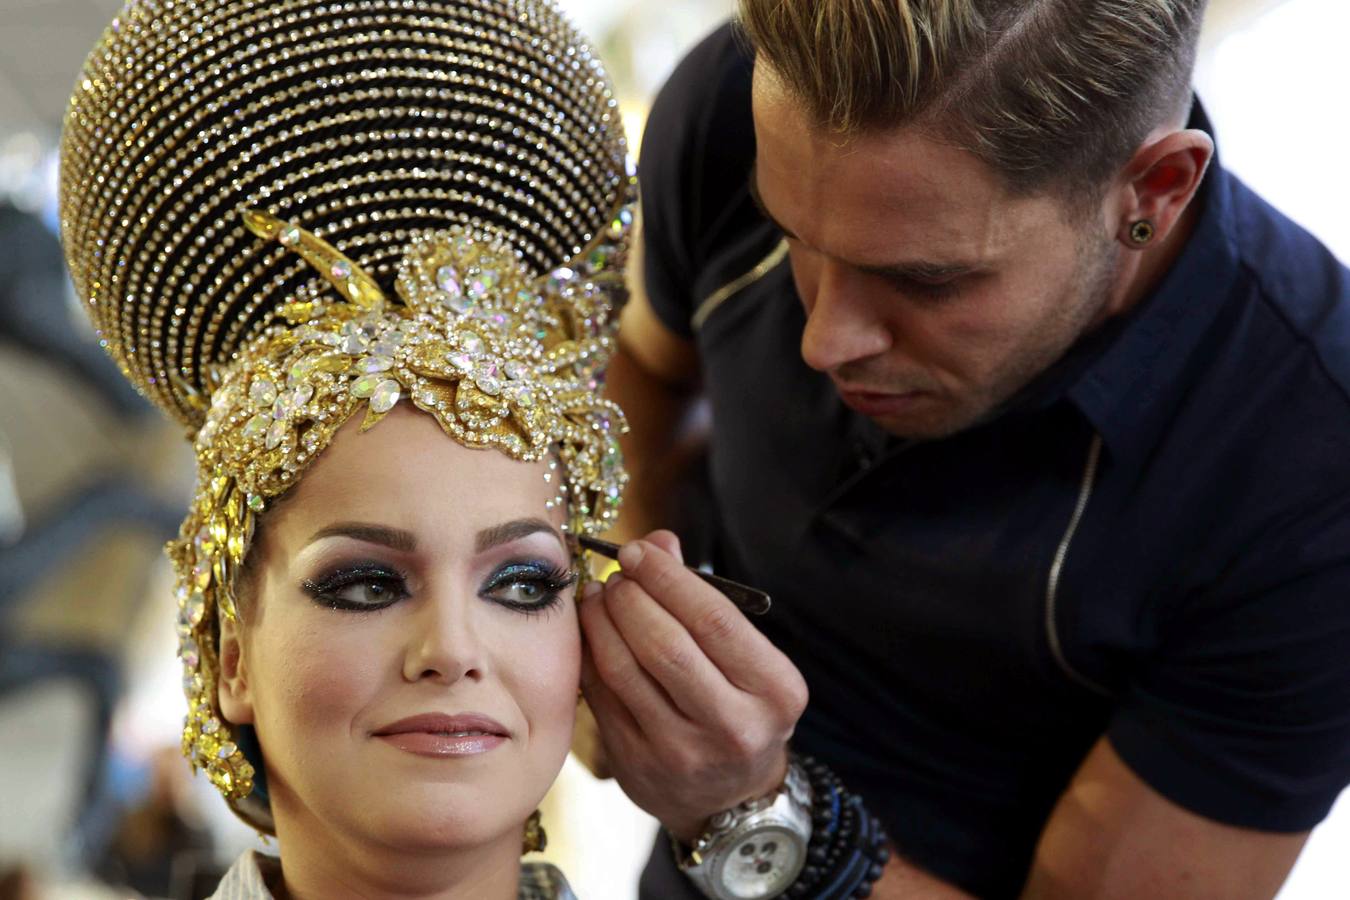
665	434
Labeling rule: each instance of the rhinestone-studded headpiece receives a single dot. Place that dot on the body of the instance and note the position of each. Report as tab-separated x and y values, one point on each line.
282	214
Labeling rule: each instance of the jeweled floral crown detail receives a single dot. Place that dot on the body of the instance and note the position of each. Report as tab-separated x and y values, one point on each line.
502	359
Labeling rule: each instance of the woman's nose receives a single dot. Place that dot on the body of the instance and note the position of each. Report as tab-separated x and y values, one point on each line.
841	326
442	642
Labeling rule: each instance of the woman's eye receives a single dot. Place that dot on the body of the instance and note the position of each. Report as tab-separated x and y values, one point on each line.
358	589
528	588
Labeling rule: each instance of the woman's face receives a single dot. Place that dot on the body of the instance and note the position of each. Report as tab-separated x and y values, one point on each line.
409	653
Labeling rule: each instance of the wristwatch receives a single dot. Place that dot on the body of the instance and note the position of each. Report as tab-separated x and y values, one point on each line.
755	850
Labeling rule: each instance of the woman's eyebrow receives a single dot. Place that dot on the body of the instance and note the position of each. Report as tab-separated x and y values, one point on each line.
514	530
394	538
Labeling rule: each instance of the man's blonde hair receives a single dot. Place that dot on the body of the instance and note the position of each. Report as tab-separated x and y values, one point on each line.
1047	92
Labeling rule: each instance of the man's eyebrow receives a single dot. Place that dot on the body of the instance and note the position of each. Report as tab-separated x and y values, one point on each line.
753	185
514	530
394	538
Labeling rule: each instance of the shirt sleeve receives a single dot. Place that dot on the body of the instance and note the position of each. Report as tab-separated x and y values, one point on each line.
697	150
1243	714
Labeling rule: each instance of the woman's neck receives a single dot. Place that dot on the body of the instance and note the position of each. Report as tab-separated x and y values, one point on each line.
320	865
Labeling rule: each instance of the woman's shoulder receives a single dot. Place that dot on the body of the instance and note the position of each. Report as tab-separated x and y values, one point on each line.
247	878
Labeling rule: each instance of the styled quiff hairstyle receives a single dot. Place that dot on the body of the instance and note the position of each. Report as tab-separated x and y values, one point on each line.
1049	93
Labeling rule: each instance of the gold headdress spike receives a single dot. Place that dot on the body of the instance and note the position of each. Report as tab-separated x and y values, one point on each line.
350	279
481	221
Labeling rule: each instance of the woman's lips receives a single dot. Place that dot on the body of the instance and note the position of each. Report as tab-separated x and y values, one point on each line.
440	735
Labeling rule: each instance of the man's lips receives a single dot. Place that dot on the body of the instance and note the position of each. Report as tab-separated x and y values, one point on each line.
879	403
440	735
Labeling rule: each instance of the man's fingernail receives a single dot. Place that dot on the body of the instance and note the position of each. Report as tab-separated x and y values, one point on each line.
630	555
591	590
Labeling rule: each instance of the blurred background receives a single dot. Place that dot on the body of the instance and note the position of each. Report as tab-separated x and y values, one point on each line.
95	800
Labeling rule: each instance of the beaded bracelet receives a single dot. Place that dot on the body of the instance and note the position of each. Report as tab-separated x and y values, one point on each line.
847	851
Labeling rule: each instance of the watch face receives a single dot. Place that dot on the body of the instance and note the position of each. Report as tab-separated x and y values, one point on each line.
761	864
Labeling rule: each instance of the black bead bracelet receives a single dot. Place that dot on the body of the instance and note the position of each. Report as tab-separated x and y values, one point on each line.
847	851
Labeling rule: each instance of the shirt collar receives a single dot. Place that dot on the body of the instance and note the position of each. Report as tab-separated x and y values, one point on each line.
1126	377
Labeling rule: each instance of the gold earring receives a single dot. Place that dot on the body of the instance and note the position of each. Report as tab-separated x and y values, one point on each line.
1142	232
536	839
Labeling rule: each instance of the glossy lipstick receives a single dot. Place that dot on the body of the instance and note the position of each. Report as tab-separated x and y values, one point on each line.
440	735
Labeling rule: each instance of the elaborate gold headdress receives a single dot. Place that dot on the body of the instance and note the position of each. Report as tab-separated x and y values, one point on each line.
282	213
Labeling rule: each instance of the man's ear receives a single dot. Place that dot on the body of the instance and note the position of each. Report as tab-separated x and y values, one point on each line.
232	688
1160	181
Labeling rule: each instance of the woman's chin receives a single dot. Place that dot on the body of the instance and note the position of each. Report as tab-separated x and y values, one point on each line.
439	816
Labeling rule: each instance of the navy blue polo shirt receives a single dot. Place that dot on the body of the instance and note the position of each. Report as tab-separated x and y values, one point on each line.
1152	542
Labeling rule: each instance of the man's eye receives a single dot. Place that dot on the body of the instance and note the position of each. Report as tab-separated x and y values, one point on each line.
929	290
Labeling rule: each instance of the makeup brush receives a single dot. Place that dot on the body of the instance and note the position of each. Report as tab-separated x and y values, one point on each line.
747	599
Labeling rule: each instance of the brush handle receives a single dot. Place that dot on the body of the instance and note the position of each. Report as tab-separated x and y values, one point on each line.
747	599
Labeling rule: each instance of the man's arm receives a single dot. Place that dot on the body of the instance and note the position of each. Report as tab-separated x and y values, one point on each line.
1113	836
654	377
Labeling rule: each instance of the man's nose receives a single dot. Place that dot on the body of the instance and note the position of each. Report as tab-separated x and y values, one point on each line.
442	642
841	324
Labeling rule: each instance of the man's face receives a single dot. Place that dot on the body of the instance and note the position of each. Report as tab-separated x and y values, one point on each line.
932	294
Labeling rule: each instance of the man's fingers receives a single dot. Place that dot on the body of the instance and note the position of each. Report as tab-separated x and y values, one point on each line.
668	653
668	542
734	646
619	671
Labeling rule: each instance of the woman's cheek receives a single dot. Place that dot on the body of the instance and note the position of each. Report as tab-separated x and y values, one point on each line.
546	674
320	674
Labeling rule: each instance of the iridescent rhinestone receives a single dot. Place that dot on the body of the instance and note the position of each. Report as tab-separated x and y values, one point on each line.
256	427
277	433
600	257
354	344
447	279
195	607
301	369
375	364
201	576
461	361
560	278
302	394
262	393
620	224
516	370
525	397
364	387
471	343
226	750
385	396
191	656
461	304
488	379
256	503
341	270
289	236
284	406
211	725
192	685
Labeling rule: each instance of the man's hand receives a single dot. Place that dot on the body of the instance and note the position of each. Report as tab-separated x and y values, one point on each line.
695	706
